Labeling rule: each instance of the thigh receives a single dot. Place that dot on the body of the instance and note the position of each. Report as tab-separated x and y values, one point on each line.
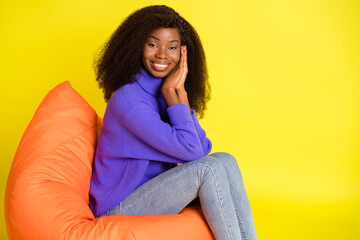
168	193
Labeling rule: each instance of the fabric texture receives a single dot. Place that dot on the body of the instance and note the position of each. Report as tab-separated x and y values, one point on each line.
140	139
217	181
47	192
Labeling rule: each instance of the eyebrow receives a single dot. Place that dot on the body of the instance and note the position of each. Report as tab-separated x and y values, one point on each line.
160	40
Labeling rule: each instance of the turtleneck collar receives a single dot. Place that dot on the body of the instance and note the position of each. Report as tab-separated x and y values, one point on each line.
148	82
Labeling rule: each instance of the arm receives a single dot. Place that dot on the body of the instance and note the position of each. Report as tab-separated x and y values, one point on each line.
179	139
174	92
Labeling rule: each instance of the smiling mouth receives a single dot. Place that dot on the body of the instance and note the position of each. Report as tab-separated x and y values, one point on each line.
159	67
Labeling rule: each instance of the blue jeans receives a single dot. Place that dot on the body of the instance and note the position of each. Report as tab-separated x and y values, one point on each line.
215	179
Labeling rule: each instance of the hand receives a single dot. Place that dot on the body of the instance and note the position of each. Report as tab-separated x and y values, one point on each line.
183	65
173	86
176	79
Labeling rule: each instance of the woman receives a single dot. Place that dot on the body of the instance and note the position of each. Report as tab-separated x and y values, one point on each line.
153	74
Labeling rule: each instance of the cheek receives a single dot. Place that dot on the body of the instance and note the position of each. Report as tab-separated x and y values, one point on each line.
146	53
176	58
143	58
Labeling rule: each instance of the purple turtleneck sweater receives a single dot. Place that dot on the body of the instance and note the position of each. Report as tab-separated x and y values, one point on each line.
140	139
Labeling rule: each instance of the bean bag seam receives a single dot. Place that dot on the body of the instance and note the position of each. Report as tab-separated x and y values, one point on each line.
131	231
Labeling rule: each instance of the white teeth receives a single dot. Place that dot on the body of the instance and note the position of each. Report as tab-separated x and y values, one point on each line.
160	65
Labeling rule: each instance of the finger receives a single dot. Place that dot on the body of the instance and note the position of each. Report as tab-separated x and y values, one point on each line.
185	59
184	65
181	61
182	56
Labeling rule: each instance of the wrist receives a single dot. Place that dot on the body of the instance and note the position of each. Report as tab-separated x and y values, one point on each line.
183	97
181	90
170	96
167	90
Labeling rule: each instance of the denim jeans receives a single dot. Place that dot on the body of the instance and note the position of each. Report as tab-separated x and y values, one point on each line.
215	179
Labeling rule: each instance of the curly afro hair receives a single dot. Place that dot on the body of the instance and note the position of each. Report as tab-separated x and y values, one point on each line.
121	57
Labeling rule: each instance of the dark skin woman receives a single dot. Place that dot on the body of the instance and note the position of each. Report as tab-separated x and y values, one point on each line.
119	59
153	74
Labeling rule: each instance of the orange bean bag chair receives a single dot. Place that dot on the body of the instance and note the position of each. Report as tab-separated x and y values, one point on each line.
47	192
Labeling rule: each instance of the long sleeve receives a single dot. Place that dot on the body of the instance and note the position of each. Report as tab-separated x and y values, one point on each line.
179	139
139	138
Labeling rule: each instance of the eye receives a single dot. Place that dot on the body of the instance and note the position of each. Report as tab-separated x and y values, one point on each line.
152	45
172	48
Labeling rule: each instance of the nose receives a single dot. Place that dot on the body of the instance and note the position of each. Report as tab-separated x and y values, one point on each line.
161	53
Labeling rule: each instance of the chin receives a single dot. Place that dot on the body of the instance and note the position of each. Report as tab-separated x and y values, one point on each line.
159	74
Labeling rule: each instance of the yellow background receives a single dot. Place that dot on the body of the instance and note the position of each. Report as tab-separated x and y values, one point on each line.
285	79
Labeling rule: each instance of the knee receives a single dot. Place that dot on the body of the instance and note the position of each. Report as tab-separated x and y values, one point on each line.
228	161
222	155
226	158
210	162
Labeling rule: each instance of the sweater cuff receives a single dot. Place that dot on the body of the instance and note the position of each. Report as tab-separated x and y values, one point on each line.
179	113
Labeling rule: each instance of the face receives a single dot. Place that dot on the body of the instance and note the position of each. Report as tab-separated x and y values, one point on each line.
162	52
